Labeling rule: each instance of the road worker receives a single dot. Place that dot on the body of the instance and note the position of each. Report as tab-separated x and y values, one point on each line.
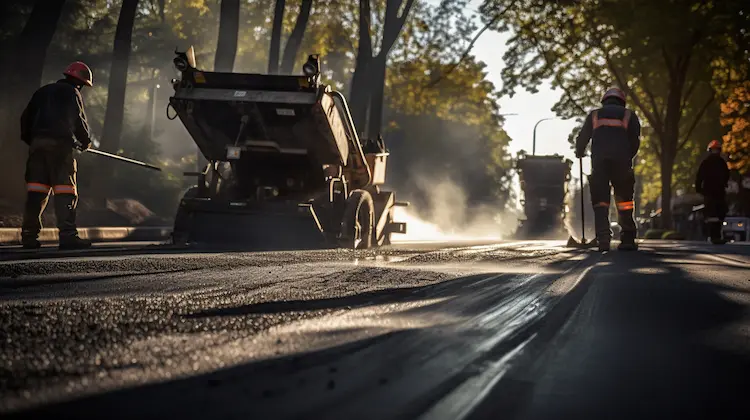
614	131
711	182
53	118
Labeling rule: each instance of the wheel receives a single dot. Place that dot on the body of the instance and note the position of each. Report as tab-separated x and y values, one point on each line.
182	220
356	226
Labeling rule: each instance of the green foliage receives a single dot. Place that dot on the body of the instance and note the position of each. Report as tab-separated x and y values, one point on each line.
667	56
441	113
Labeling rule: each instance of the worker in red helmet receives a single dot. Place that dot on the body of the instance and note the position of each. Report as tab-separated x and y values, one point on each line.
711	181
52	120
615	135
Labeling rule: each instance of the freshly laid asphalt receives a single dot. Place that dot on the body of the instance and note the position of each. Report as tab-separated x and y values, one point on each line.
521	330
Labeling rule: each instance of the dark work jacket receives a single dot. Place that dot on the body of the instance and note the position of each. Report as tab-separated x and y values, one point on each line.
56	111
610	139
713	176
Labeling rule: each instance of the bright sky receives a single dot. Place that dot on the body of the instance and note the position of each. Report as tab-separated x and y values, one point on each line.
551	135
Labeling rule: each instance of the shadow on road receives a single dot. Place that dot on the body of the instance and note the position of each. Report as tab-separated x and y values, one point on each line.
643	343
375	297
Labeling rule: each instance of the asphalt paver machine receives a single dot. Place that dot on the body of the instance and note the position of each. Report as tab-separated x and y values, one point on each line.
286	167
544	182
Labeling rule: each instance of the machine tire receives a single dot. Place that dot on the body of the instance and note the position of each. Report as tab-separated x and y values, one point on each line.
181	228
356	227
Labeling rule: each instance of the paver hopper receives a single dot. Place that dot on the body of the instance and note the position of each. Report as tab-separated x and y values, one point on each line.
286	168
544	181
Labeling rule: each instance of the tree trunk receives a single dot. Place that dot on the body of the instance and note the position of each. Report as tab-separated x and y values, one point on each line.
669	141
118	80
377	81
667	168
391	29
295	39
162	15
275	48
229	27
20	82
359	91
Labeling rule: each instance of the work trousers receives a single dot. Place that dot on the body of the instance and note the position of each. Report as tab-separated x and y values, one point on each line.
714	212
605	175
50	167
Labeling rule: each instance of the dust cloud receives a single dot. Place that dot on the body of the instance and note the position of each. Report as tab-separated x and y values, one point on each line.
444	214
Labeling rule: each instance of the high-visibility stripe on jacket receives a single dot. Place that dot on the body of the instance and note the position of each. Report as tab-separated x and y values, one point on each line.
610	122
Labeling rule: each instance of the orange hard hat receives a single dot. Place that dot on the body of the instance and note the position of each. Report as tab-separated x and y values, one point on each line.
714	144
80	72
614	93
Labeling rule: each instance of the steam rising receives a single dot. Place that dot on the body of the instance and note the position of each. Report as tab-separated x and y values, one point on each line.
445	215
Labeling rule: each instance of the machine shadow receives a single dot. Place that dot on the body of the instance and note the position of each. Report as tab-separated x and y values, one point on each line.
640	345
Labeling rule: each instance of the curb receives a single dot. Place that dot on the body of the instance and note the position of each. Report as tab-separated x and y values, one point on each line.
12	236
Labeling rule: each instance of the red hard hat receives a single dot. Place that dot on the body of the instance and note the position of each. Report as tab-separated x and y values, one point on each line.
714	145
614	93
80	72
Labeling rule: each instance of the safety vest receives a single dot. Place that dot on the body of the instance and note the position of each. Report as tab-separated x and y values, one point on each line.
611	122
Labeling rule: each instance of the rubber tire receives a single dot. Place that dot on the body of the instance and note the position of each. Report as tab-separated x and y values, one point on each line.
359	211
182	218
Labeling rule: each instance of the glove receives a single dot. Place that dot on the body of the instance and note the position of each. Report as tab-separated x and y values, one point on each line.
82	147
580	153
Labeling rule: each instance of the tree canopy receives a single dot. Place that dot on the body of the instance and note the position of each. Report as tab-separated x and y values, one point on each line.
427	80
673	59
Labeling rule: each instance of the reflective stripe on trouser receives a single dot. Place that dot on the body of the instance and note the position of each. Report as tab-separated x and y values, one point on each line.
619	174
64	189
625	205
38	187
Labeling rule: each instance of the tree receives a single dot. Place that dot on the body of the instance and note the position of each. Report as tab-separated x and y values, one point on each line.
229	27
368	82
735	114
661	54
295	38
118	79
275	47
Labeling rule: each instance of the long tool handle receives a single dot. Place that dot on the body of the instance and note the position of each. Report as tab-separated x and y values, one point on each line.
124	159
583	217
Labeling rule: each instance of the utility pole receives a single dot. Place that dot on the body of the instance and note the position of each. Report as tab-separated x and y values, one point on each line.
533	146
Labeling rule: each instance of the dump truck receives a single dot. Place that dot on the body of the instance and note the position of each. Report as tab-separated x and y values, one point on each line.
544	183
286	167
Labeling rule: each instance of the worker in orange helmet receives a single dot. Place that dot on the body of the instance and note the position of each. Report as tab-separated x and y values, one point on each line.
711	181
614	132
53	118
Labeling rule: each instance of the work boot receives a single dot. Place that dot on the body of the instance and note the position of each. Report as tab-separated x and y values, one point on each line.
603	245
627	242
30	243
74	242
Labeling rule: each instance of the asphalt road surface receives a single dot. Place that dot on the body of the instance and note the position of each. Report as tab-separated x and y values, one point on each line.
512	330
